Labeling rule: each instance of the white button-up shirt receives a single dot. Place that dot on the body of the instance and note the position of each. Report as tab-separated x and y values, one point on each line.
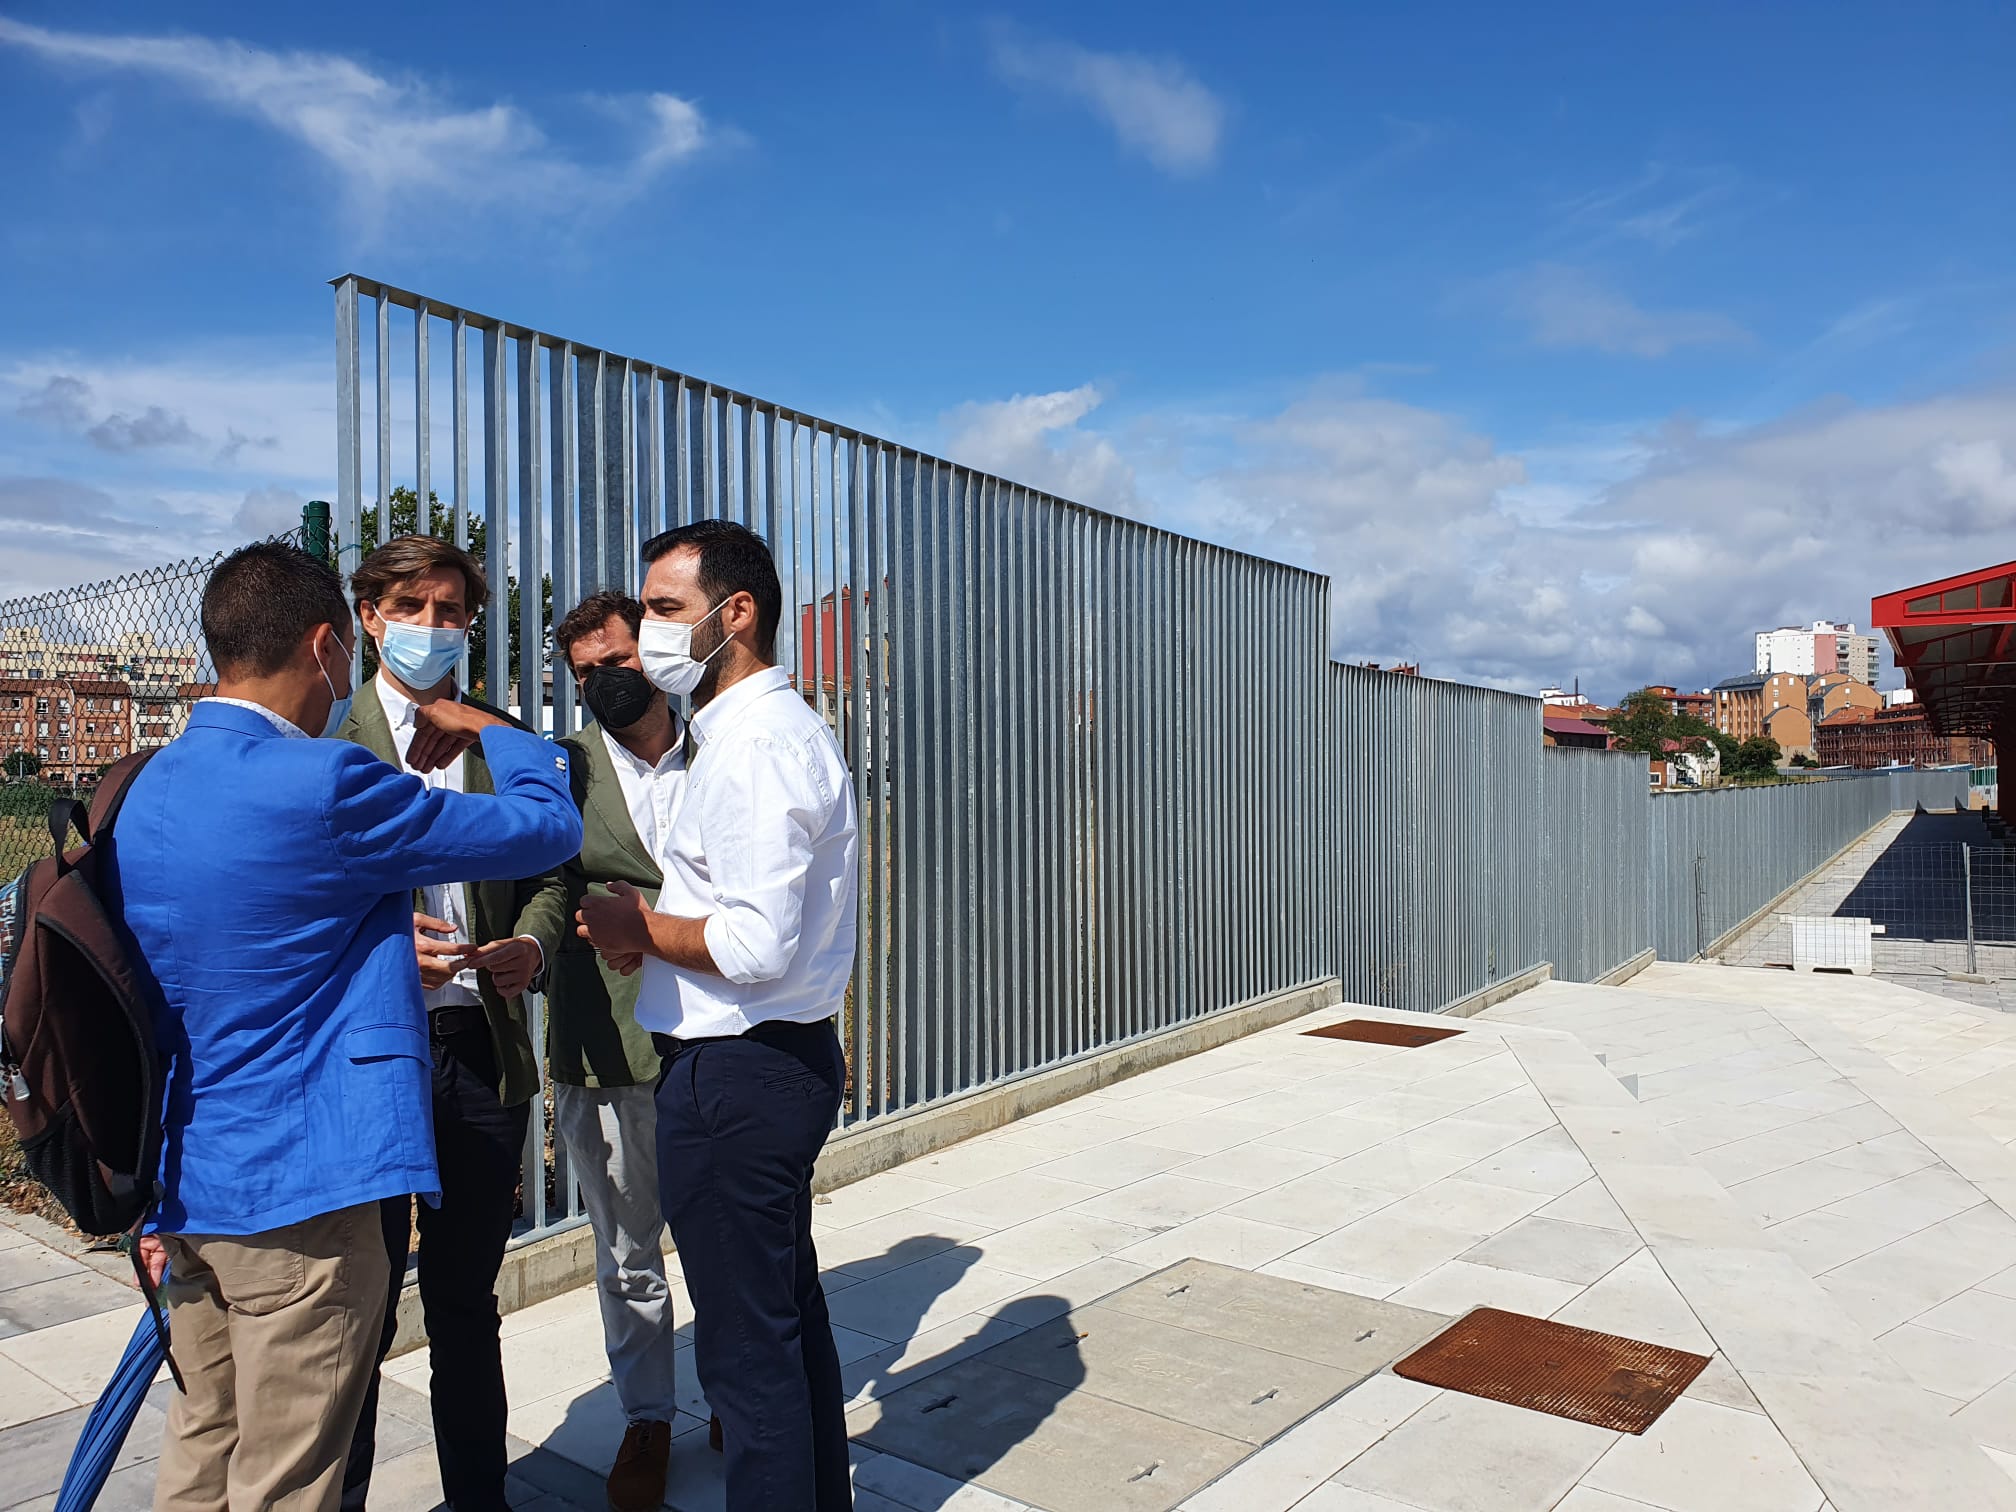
444	900
764	847
650	792
279	722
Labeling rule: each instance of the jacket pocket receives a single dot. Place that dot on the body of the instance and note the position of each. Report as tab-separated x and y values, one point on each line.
370	1042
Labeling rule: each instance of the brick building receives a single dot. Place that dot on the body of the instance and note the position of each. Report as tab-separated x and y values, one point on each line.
1903	736
73	727
1771	704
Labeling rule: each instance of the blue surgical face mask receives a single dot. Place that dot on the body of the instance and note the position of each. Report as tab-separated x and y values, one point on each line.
420	657
339	708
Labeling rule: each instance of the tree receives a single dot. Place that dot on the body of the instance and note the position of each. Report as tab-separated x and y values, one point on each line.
1756	757
404	519
1643	722
22	764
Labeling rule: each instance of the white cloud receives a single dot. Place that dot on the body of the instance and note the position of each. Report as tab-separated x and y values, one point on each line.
232	413
389	139
1035	439
1651	562
1570	307
1155	106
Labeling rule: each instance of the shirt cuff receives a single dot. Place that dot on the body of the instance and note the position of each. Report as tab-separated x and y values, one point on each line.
540	970
729	957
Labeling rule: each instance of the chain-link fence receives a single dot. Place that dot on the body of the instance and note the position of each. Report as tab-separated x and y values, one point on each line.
1928	895
88	675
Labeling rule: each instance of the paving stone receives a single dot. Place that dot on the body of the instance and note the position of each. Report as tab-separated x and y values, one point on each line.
1466	1454
61	1299
1541	1246
35	1454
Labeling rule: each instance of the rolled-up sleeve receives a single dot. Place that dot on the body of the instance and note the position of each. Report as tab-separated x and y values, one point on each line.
765	802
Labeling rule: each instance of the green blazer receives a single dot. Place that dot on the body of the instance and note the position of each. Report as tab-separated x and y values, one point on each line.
592	1035
498	909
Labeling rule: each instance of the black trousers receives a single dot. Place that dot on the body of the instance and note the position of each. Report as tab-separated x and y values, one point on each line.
478	1143
740	1122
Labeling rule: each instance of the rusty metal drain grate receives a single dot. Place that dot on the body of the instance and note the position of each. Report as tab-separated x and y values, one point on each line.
1379	1032
1550	1367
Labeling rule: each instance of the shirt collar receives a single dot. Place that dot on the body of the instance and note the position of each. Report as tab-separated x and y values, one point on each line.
279	722
622	754
708	722
399	709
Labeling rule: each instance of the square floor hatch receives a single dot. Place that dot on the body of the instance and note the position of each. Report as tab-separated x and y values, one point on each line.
1137	1401
1549	1367
1380	1032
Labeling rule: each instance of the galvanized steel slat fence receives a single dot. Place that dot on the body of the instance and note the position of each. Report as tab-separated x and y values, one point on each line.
1087	751
1108	780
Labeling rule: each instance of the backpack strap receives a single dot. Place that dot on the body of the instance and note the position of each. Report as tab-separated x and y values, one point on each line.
111	794
94	821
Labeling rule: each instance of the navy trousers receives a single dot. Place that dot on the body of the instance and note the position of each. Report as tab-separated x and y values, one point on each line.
478	1143
740	1122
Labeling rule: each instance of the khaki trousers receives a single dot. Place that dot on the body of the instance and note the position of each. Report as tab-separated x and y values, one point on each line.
276	1335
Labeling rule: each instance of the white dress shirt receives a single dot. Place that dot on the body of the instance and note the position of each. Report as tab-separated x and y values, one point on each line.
650	792
444	900
764	847
279	722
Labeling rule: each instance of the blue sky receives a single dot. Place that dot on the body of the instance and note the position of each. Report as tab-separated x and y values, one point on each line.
1572	340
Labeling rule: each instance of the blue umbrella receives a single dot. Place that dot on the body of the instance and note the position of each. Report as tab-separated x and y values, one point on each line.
118	1404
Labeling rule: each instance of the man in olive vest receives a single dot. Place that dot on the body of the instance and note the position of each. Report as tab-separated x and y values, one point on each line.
628	774
415	597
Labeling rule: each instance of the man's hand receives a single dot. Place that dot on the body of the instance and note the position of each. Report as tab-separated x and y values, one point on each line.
154	1257
443	730
439	959
624	965
511	963
616	923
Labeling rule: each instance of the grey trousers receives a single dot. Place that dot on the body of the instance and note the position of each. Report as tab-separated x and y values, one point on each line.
612	1142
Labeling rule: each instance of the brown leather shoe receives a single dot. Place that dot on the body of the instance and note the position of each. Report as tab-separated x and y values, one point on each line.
714	1434
637	1483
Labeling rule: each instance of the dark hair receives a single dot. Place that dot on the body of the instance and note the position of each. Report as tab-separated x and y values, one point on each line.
262	601
590	615
406	557
733	559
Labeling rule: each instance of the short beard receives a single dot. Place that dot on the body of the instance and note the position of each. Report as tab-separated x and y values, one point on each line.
710	680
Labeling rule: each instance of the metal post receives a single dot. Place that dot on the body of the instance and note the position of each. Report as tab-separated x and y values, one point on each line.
1967	883
315	529
1700	902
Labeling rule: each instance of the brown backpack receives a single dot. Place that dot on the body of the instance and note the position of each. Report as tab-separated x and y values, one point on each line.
79	1072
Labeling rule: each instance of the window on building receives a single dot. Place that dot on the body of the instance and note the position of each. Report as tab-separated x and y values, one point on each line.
42	727
91	752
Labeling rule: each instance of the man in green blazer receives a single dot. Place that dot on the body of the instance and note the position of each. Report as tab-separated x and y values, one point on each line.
477	958
628	770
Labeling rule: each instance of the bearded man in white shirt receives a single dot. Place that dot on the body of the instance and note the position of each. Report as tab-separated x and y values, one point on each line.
745	962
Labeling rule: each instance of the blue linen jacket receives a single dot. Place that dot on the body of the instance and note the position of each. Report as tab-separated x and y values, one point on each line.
268	882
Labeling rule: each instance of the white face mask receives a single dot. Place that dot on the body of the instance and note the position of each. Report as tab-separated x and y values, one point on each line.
666	649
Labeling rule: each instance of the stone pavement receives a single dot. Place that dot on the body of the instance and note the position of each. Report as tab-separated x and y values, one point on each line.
1772	1171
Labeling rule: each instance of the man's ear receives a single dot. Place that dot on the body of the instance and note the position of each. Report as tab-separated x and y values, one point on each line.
369	617
742	609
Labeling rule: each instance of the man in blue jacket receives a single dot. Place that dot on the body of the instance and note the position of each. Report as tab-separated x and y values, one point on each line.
268	880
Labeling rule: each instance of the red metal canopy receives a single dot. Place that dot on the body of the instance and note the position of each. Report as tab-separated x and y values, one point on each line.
1955	641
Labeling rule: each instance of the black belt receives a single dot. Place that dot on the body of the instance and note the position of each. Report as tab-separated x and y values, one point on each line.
667	1046
445	1023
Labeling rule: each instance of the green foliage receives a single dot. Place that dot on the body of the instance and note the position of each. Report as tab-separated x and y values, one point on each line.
404	519
1643	722
21	764
27	800
1757	757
